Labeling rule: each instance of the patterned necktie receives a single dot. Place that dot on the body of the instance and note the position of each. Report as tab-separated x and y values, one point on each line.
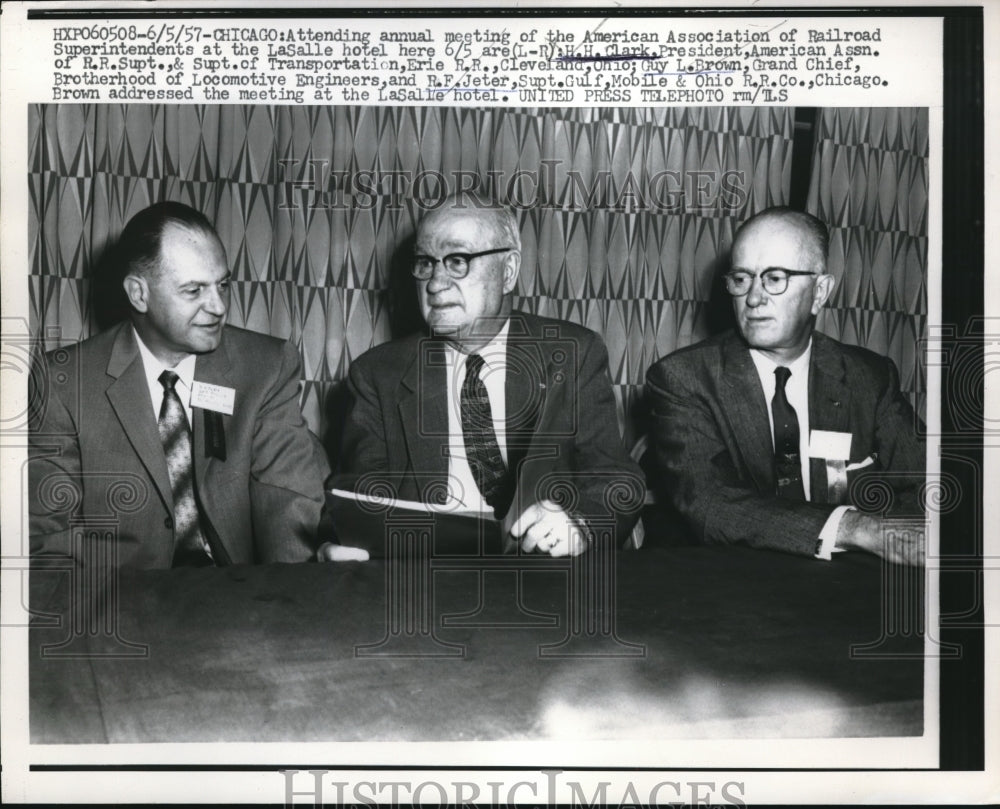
787	464
481	446
190	547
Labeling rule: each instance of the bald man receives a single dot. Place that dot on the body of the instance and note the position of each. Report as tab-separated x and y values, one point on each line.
773	434
492	410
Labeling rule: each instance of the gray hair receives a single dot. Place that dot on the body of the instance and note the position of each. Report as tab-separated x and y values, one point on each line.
501	217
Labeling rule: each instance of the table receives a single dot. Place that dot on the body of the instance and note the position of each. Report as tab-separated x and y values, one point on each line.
703	642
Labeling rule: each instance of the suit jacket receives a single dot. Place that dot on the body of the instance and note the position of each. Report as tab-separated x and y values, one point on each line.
712	441
562	430
96	461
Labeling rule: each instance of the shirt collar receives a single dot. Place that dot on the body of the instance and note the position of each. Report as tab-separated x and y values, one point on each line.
494	353
765	365
153	367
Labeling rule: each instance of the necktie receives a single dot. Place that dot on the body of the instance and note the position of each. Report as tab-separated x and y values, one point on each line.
787	466
190	547
481	446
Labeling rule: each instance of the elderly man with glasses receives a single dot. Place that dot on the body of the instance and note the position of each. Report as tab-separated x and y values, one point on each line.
491	410
777	436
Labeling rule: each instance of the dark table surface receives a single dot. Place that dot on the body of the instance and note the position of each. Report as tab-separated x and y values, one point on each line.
700	643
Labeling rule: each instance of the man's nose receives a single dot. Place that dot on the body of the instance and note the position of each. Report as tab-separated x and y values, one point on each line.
216	302
440	279
756	296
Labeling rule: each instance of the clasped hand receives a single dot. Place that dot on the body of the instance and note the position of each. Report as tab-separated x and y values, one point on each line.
547	528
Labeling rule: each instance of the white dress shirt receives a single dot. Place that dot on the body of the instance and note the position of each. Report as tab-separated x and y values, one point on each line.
463	493
153	368
797	391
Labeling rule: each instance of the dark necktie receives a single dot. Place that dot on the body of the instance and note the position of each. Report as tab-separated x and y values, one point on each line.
481	446
787	465
190	547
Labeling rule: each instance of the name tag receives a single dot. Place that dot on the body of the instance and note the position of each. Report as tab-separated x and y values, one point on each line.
830	446
213	397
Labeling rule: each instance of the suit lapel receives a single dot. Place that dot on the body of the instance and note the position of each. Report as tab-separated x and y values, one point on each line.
829	404
525	385
743	401
130	400
423	401
423	410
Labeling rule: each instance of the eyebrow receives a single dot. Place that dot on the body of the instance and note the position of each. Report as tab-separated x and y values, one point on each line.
227	277
450	247
766	269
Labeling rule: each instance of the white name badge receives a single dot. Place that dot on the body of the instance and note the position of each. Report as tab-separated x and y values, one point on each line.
213	397
829	445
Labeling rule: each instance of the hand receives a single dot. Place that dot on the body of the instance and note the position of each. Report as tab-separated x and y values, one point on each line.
860	531
546	527
331	552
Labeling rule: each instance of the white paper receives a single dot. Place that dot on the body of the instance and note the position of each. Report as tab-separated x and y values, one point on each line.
213	397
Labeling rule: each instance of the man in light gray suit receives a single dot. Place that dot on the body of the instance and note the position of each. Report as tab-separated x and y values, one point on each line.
172	438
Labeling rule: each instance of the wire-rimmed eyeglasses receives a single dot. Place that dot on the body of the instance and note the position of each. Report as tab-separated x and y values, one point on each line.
774	280
457	264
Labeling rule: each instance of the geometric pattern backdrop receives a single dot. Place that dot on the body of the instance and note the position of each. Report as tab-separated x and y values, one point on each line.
624	217
869	184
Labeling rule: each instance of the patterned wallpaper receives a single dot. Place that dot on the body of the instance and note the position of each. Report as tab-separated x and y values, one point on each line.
869	184
625	215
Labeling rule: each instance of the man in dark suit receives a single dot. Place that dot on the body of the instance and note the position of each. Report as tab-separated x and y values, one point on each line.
495	410
173	438
772	435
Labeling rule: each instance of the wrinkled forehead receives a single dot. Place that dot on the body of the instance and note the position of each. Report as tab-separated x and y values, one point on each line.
774	243
452	230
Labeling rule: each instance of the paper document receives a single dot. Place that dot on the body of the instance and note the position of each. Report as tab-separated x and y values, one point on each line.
387	527
413	505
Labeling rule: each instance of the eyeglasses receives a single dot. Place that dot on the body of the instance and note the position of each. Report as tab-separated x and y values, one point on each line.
774	281
457	264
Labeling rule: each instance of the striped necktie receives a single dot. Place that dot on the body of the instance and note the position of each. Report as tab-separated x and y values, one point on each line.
190	547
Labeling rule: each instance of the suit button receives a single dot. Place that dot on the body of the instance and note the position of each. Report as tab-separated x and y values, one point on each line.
168	522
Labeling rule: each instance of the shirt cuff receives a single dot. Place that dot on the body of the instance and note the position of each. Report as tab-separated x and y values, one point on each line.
828	536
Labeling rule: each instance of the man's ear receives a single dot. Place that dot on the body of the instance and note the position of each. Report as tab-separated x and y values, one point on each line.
511	269
137	292
822	290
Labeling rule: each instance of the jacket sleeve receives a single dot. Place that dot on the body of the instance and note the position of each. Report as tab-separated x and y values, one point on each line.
611	484
55	482
698	476
363	448
894	483
287	470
